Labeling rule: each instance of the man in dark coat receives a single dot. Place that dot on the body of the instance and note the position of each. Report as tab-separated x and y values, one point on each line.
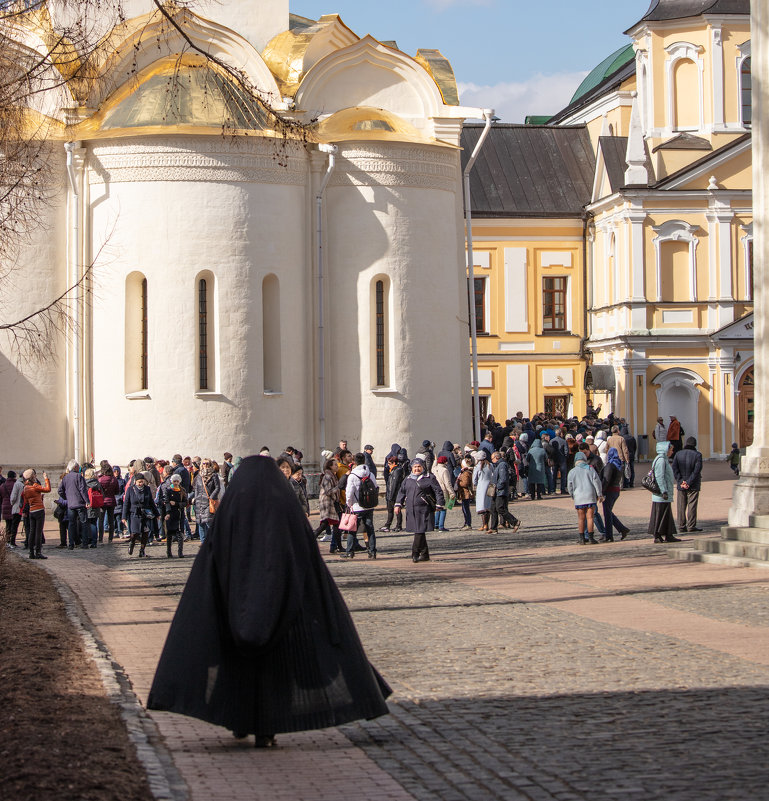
501	480
687	471
262	642
632	447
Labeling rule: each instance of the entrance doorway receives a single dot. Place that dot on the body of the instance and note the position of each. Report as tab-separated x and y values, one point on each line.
747	409
556	406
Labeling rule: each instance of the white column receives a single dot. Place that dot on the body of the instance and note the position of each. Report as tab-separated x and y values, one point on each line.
717	60
751	492
637	269
712	383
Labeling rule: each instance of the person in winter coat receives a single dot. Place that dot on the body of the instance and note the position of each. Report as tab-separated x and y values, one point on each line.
365	514
74	491
611	484
328	506
483	473
422	495
448	452
464	490
109	489
560	456
397	475
32	494
262	642
95	503
428	451
537	470
445	479
584	486
205	488
11	519
687	471
390	462
501	482
299	486
174	502
368	455
602	445
632	448
661	524
139	510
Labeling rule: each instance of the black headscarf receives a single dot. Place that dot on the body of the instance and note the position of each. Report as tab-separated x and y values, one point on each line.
262	641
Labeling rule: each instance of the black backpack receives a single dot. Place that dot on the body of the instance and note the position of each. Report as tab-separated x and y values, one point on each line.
368	494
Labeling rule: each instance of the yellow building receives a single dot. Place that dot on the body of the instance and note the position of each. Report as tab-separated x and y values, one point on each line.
668	229
528	189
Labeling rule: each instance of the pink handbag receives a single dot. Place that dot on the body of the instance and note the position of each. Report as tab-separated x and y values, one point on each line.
349	522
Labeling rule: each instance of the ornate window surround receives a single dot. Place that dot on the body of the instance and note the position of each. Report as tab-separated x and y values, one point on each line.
745	51
746	240
680	51
677	231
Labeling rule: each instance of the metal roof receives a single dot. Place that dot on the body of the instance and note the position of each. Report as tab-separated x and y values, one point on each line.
614	149
618	59
609	84
530	171
661	10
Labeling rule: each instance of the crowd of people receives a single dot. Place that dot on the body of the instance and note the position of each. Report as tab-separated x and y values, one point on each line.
591	459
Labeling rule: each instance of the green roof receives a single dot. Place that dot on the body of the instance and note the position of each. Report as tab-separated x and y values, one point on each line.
537	119
607	67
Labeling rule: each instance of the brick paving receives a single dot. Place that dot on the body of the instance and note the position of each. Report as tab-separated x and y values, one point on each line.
524	667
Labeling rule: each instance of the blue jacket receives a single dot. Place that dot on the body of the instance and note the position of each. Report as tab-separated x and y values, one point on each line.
663	473
74	490
583	484
537	462
501	477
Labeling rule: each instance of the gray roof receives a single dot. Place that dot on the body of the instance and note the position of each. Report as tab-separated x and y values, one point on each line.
614	149
530	170
661	10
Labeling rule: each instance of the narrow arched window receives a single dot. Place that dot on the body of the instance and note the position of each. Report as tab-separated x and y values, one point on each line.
746	92
136	357
271	334
202	334
380	332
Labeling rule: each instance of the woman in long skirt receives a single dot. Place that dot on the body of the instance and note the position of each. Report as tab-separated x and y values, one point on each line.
422	495
482	474
661	524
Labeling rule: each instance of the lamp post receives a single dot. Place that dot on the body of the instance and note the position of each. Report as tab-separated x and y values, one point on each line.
488	115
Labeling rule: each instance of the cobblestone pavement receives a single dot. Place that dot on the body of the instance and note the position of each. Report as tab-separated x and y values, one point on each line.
524	667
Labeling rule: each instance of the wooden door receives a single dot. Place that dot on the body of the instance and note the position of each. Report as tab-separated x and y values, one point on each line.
747	410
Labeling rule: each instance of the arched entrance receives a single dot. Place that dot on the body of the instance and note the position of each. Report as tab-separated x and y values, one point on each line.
747	410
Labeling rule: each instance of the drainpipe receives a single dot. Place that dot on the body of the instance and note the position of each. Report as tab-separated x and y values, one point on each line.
488	113
331	151
74	274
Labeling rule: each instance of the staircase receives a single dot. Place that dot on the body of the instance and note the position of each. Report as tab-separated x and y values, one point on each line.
739	546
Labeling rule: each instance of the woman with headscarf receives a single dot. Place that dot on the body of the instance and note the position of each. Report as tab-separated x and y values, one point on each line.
537	469
584	486
139	512
611	485
328	506
445	478
262	642
482	475
661	524
206	490
422	495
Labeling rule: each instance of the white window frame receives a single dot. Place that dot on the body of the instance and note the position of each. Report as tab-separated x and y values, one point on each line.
684	51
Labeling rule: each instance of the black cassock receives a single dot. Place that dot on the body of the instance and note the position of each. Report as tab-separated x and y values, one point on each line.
262	641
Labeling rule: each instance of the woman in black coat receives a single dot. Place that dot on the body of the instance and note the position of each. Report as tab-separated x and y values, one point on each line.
422	495
262	641
138	512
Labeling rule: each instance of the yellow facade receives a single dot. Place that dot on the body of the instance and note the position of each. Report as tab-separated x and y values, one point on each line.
529	355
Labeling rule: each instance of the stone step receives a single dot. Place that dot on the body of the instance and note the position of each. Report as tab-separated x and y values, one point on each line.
759	521
692	555
746	534
740	549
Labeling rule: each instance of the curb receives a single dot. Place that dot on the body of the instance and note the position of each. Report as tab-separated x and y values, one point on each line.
165	781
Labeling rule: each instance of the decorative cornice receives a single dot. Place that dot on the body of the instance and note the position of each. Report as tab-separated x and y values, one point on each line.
206	159
397	165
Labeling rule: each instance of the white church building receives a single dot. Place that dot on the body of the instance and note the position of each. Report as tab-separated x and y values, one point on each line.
247	289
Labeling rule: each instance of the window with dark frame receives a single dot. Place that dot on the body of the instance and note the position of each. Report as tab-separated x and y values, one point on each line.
203	333
380	335
480	306
746	85
554	304
749	288
145	337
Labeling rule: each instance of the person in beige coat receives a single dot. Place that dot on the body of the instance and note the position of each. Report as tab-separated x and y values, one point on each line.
446	482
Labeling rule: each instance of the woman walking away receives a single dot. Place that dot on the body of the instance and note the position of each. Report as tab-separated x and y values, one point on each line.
661	524
481	481
205	492
464	487
328	507
33	496
422	496
537	470
584	486
139	511
446	480
262	642
110	488
611	485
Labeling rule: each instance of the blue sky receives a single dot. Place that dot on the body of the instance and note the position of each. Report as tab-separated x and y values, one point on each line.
518	56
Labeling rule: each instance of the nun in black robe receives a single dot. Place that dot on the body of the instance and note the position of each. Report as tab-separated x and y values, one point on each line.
262	641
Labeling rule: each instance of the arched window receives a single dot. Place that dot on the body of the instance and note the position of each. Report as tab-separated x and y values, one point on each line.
271	356
746	92
380	332
684	68
136	334
205	303
676	251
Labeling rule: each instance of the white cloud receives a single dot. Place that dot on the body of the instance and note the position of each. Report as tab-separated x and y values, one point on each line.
512	101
